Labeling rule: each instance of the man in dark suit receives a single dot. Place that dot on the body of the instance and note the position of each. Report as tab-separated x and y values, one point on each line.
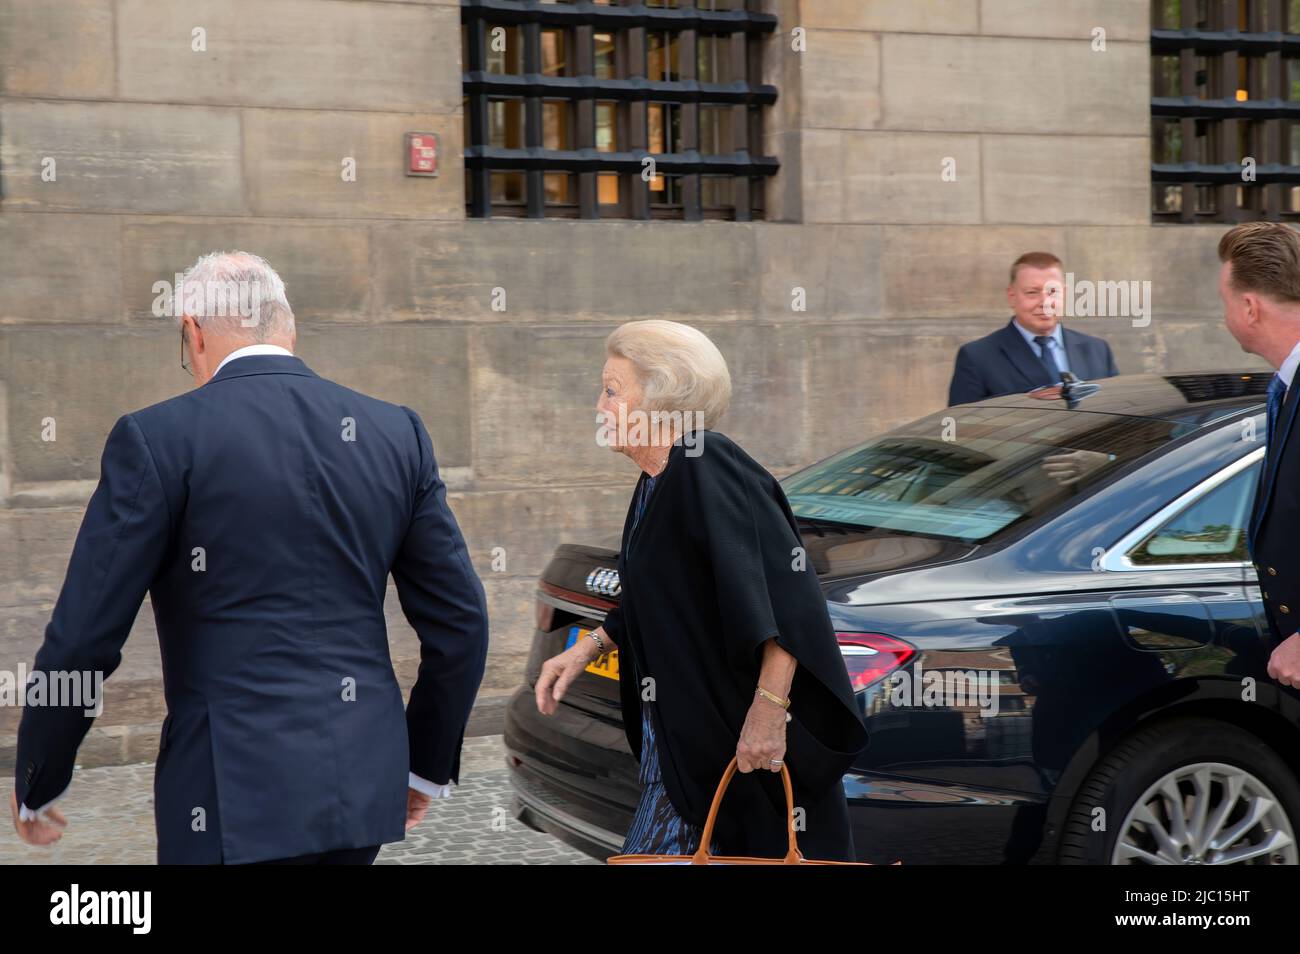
1034	347
1259	283
263	512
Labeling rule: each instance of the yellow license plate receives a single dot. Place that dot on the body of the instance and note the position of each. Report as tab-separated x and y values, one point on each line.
606	665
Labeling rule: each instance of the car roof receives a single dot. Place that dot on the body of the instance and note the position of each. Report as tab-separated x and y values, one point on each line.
1201	396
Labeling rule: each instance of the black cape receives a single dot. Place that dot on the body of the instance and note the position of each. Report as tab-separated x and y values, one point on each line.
709	574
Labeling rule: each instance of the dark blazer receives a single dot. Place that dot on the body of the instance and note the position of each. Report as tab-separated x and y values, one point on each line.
1275	522
710	573
1005	363
265	540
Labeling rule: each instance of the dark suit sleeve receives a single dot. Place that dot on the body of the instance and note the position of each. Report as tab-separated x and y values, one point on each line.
966	386
612	624
444	602
118	552
1111	369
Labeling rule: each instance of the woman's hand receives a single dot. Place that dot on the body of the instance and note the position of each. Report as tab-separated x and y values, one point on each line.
558	672
762	738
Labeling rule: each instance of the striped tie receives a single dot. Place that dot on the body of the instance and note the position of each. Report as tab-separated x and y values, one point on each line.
1276	393
1049	358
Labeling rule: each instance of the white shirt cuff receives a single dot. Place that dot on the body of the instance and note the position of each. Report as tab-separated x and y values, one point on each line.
432	789
26	814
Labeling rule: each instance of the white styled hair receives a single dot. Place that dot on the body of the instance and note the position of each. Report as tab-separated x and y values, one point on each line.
236	294
680	369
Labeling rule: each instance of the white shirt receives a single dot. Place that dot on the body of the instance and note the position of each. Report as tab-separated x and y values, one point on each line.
1057	341
248	350
1287	371
432	789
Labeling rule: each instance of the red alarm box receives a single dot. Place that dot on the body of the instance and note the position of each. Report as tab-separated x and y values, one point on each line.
421	154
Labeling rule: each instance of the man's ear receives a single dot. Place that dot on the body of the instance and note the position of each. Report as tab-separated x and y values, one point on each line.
1251	301
195	333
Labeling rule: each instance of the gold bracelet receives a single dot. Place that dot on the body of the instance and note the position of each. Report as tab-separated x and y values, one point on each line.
773	697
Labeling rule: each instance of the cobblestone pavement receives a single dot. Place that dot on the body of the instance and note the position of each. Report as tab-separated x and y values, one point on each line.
110	821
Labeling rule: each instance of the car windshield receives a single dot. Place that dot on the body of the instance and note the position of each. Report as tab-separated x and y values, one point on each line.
971	473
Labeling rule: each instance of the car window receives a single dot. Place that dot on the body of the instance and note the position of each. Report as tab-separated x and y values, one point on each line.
1211	529
971	473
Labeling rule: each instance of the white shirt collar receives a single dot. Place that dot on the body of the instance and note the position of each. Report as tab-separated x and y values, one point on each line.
1029	335
248	350
1287	371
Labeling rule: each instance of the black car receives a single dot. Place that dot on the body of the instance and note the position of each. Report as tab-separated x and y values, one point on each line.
1051	619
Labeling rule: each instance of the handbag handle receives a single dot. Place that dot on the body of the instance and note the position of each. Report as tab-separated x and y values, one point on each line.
792	856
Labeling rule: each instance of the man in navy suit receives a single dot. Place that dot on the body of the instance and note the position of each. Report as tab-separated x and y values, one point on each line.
1259	283
1034	347
263	512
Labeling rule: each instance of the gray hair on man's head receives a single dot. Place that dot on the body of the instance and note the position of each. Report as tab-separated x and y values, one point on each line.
680	369
235	294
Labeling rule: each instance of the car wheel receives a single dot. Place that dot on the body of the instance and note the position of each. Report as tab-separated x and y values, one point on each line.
1190	791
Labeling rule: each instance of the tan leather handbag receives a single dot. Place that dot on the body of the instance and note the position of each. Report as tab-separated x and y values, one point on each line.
702	857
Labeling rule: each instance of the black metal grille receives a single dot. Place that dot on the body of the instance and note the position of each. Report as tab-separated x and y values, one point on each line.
566	101
1225	110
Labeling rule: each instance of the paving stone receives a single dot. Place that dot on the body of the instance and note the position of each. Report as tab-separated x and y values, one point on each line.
110	815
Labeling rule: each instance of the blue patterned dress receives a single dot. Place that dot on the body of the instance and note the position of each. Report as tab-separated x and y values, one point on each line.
656	827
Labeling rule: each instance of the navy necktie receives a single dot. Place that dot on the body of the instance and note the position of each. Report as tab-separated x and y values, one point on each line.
1276	394
1049	359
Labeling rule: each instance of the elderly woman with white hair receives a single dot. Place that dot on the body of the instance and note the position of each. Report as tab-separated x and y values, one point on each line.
725	643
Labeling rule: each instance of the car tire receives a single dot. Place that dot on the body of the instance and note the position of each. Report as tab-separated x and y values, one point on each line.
1181	756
